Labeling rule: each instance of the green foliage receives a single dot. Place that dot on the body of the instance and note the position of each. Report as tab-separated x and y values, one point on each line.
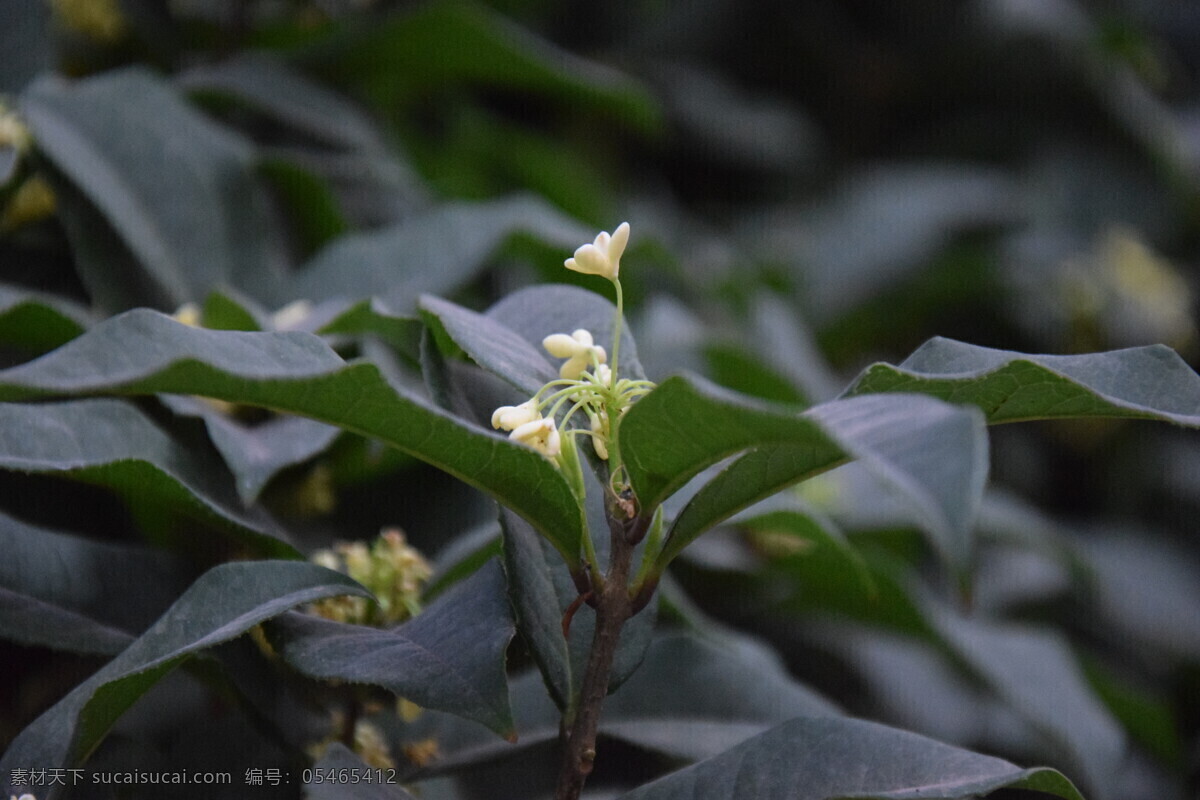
274	275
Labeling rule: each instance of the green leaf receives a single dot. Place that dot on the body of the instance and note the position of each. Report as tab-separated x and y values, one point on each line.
492	345
310	204
257	453
450	657
444	44
226	310
69	593
367	318
177	189
35	322
917	687
271	87
806	542
1144	589
1139	383
821	758
435	251
933	455
223	603
540	591
662	707
1035	672
677	712
143	352
110	443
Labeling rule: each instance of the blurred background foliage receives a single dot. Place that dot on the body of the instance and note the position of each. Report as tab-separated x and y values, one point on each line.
812	187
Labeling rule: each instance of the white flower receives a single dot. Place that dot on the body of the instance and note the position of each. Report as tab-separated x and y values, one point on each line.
540	434
600	435
604	374
603	256
513	417
577	349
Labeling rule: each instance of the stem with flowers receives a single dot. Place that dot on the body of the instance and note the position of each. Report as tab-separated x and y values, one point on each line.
590	386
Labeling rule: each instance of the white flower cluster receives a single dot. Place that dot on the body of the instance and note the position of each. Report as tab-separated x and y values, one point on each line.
587	383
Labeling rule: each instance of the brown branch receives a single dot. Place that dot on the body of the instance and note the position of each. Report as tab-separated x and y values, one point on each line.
613	609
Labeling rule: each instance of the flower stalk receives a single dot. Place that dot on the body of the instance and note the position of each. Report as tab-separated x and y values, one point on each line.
590	387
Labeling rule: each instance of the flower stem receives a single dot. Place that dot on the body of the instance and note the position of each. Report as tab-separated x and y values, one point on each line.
613	610
618	322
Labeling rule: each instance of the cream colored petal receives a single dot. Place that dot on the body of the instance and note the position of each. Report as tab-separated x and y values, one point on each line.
590	260
575	366
620	238
511	417
560	345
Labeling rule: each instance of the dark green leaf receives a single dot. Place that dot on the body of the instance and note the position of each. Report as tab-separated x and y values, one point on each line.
662	707
1145	591
831	587
881	225
492	345
145	352
35	323
435	251
1035	672
311	206
540	590
223	603
449	43
226	310
450	657
69	593
110	443
920	689
779	335
176	188
804	542
462	556
1141	382
821	758
933	455
366	318
679	712
273	88
257	453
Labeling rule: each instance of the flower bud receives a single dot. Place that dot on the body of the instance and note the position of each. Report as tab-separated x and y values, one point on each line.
603	256
512	417
541	434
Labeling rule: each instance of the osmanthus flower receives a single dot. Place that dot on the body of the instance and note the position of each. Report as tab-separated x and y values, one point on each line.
588	383
579	350
603	256
512	417
599	425
540	434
